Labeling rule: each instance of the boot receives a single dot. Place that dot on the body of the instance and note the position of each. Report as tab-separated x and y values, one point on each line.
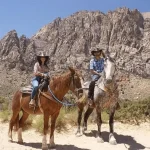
91	93
44	85
32	103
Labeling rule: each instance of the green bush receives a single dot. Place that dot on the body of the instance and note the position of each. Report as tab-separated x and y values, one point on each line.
4	115
4	103
4	112
134	111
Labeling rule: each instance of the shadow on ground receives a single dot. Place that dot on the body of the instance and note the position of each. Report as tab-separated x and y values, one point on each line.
58	147
121	139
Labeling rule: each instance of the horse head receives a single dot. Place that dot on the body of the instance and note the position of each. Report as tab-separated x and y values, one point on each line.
109	70
76	81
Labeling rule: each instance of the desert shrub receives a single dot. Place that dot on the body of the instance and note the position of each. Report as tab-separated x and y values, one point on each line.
61	123
4	111
130	112
4	115
134	111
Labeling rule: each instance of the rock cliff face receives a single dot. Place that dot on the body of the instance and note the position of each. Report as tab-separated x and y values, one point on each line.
125	32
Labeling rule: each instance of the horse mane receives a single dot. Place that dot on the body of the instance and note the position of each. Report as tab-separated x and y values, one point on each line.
111	59
59	79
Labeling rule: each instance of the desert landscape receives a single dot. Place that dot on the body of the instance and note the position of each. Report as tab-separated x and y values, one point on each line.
125	32
129	137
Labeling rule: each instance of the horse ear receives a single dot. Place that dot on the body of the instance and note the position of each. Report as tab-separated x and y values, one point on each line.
107	52
72	70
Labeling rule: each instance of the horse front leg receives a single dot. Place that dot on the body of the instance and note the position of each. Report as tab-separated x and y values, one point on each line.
112	139
52	129
99	123
86	116
44	140
14	119
80	111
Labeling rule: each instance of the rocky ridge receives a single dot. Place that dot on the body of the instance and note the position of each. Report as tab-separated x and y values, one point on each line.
68	41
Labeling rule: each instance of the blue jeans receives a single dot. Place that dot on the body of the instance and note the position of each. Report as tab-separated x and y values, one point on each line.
95	78
35	84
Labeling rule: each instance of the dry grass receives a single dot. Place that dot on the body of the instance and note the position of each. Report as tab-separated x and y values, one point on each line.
130	112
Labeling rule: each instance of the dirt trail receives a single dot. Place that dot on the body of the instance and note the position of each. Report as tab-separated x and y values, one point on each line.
129	137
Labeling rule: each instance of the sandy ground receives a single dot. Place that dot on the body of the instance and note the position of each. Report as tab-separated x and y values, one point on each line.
128	137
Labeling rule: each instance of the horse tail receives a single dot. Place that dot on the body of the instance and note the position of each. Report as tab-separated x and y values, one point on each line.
16	107
16	124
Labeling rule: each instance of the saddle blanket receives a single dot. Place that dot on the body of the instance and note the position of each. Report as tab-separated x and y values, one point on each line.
26	89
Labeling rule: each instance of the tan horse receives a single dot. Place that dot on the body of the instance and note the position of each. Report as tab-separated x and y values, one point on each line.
59	85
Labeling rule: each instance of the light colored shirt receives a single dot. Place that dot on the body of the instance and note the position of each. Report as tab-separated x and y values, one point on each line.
97	65
41	69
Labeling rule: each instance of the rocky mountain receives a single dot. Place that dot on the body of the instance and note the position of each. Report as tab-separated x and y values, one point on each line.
146	15
125	32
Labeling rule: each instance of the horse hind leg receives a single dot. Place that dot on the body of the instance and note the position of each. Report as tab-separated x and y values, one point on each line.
112	139
13	121
21	124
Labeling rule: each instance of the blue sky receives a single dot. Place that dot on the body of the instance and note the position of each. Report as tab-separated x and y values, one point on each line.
28	16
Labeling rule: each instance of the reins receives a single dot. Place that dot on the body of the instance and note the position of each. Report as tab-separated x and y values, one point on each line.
59	101
56	99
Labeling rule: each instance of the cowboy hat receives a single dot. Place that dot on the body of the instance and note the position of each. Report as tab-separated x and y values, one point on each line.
96	50
42	54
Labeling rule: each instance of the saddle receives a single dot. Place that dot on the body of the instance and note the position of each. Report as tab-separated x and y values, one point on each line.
43	85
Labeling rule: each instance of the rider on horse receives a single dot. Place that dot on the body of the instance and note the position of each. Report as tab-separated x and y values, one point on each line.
96	68
40	70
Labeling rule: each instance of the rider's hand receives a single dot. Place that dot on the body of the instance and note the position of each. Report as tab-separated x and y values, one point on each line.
37	74
44	75
100	74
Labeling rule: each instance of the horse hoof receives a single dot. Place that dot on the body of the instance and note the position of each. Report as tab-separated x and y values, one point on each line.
78	134
85	129
83	132
112	139
52	145
45	148
100	140
10	140
20	142
113	142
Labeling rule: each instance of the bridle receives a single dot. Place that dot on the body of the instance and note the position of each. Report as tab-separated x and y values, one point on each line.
104	72
59	101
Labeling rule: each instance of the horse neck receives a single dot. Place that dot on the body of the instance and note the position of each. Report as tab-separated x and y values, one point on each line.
112	86
60	85
82	82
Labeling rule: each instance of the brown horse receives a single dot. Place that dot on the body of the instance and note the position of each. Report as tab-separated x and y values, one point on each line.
48	106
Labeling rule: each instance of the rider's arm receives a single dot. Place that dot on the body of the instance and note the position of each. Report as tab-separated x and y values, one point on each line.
94	72
36	71
92	67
